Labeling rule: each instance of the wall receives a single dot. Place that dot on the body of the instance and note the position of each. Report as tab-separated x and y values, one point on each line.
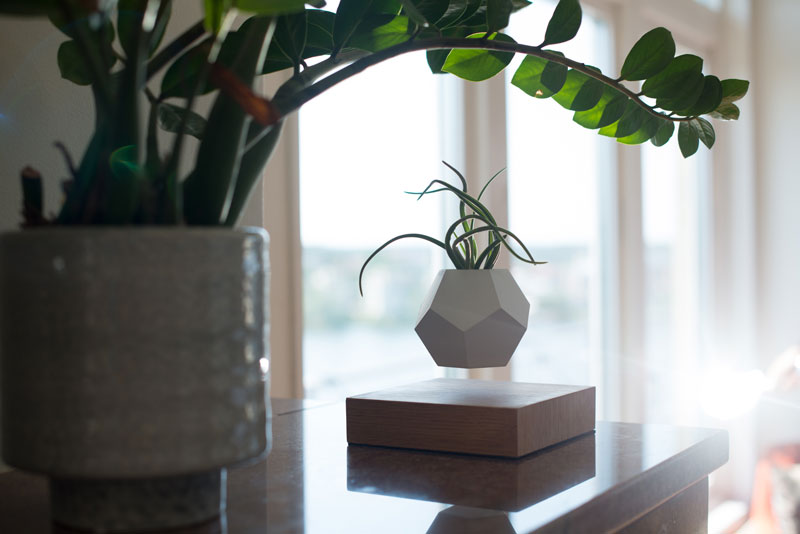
37	108
777	76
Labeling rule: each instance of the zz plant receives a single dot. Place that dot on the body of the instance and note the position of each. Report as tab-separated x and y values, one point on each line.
459	241
115	48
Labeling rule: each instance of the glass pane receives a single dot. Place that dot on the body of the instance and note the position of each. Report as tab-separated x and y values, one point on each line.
714	5
362	145
673	231
554	168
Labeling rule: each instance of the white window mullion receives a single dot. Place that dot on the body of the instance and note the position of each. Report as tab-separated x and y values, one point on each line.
484	137
629	277
281	215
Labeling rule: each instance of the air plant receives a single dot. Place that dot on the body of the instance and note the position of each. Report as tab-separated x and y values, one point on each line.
460	243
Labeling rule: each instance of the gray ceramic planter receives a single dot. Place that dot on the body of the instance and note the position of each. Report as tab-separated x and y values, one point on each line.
132	368
473	318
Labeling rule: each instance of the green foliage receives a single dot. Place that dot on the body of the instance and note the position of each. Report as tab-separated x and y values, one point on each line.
460	241
478	65
565	22
651	54
540	78
116	48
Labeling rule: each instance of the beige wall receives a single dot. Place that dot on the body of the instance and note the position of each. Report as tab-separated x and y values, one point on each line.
37	108
777	77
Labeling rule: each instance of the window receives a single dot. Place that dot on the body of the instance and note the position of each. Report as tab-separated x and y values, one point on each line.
624	302
357	158
553	206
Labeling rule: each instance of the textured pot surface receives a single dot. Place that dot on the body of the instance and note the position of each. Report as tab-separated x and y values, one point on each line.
132	353
473	318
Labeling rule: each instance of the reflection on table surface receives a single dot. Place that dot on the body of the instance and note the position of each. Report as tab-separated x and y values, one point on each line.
313	483
493	483
316	483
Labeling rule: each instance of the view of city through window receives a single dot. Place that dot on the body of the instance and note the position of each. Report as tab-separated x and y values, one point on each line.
357	158
553	207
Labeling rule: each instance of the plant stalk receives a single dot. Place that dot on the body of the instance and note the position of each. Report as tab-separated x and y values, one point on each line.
292	102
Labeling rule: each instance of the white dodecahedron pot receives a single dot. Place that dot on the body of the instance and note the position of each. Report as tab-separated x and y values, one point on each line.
473	318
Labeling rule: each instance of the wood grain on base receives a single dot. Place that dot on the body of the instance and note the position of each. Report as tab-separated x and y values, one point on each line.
471	416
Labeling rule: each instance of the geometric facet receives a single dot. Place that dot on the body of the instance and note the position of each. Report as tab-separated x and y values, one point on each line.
473	318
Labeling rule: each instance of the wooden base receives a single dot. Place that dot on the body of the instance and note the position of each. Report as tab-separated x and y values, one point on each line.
508	419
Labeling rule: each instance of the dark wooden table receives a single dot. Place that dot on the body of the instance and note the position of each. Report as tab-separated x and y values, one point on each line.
623	478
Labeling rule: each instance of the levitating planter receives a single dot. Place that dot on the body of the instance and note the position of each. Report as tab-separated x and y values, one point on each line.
473	318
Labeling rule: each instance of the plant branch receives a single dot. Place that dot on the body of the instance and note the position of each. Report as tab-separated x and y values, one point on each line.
93	60
177	46
288	103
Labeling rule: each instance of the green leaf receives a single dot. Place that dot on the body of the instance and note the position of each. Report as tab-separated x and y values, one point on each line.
271	7
726	112
686	95
705	131
361	17
671	80
650	55
733	90
455	11
472	8
436	59
319	41
123	190
497	13
564	23
209	191
395	32
348	17
170	117
319	36
431	10
580	92
410	9
290	35
539	77
478	65
646	131
608	110
688	140
180	78
664	133
710	98
629	123
72	64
